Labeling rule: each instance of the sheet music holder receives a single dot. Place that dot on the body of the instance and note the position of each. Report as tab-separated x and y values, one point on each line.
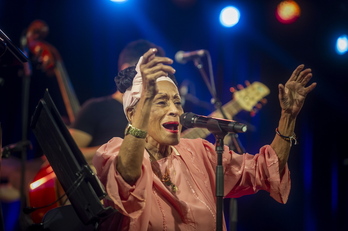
81	185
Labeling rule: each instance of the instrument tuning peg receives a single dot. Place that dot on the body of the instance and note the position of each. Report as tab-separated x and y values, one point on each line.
264	101
253	112
232	89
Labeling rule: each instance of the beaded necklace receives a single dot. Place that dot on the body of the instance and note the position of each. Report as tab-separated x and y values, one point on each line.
165	178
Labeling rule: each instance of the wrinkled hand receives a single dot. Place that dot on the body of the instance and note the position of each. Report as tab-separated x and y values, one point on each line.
153	67
294	93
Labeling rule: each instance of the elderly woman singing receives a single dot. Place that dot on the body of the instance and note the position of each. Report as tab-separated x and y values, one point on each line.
159	181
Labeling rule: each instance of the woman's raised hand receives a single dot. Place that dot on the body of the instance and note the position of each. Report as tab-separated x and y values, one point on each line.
293	94
153	67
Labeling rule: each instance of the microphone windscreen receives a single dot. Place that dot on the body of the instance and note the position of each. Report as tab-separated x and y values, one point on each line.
187	119
179	57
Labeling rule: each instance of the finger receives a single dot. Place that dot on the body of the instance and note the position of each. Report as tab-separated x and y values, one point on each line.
158	70
160	63
296	72
310	87
281	91
164	68
149	55
306	79
240	86
154	76
157	61
304	74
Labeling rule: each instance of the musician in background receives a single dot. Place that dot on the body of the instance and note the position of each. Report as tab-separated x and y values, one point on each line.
39	74
102	118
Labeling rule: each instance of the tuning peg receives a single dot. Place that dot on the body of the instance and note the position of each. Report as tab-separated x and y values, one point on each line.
263	101
258	106
253	112
232	89
240	86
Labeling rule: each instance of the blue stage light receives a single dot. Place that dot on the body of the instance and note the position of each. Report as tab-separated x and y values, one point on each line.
229	16
118	0
342	45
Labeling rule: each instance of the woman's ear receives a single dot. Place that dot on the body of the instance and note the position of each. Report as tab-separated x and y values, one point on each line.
130	113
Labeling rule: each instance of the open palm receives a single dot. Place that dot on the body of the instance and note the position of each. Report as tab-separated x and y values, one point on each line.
294	93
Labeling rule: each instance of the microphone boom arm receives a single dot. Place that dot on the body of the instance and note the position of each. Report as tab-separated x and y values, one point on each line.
210	85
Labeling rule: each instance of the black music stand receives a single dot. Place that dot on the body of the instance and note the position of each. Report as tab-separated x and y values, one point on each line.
81	185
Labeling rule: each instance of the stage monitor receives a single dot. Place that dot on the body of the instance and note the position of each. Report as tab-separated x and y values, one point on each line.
79	182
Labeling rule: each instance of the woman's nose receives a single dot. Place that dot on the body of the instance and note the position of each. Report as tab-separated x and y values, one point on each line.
173	109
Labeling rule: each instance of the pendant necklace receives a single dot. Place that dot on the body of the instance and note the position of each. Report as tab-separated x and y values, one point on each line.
165	178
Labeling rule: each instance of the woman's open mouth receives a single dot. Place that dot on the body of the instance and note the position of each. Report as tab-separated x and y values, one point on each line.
171	126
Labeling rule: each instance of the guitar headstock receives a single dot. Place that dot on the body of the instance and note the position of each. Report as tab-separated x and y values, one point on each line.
249	96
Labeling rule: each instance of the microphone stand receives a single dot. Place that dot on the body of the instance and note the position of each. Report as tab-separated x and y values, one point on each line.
234	145
2	228
20	56
26	78
215	129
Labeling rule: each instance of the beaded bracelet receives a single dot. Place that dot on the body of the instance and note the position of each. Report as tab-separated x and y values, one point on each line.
290	139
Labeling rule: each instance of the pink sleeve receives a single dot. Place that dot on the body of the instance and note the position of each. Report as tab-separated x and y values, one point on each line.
247	174
127	199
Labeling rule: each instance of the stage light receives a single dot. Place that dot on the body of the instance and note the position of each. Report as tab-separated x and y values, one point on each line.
342	44
118	0
288	12
229	16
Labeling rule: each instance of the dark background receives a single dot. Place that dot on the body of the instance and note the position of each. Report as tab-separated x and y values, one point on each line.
90	34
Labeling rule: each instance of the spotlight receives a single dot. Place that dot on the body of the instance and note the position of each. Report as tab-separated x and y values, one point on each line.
288	12
342	44
229	16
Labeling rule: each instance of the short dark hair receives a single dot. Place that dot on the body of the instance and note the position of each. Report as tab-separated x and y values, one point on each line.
134	50
124	79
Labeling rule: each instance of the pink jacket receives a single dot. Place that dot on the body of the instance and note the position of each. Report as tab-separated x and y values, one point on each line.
150	205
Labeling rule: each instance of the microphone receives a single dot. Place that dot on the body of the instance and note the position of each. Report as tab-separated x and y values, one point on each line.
17	147
183	57
191	120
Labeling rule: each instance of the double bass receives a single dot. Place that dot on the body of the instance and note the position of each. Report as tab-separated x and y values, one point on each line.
45	192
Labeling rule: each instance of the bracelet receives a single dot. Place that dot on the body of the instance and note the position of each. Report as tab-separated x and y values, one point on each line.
291	139
135	132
